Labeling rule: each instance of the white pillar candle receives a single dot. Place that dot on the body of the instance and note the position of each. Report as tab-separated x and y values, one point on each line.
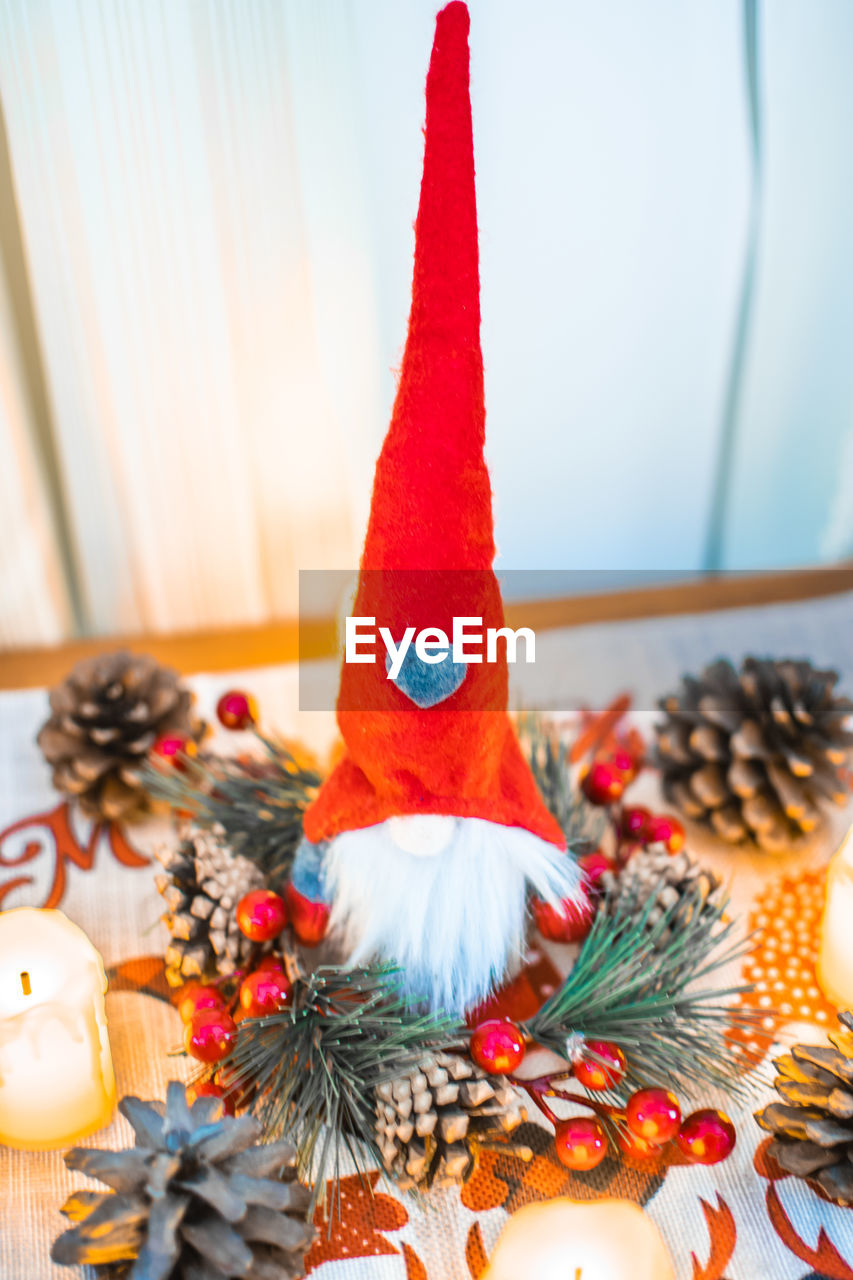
835	958
578	1240
56	1072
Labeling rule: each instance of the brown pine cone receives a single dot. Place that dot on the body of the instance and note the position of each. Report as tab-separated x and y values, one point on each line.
676	883
105	717
813	1126
432	1121
195	1199
203	883
754	753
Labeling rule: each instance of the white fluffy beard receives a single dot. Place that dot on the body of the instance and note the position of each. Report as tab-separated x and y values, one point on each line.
445	898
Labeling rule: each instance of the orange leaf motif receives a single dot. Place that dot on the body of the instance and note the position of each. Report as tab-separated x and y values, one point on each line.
356	1230
475	1252
723	1235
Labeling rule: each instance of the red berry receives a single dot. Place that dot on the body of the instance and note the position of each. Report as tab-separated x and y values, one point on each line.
497	1046
594	865
209	1089
625	763
272	961
581	1143
570	921
198	997
653	1114
635	822
263	992
631	1144
706	1137
603	784
210	1035
663	828
595	1074
236	710
310	920
261	915
171	747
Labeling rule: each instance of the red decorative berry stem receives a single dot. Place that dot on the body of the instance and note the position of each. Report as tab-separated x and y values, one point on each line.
543	1087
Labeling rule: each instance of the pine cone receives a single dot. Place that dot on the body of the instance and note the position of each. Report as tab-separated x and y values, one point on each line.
676	882
195	1199
754	753
203	883
813	1127
432	1120
106	716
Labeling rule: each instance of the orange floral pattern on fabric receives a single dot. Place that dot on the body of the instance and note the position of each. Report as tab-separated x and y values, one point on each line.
785	921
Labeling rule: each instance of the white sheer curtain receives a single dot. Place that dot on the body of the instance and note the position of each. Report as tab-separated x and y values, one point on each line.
216	200
209	445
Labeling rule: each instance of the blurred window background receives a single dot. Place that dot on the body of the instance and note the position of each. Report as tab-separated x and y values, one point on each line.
206	213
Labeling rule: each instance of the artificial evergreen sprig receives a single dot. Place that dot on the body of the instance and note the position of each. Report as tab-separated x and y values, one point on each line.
256	804
645	987
582	823
312	1069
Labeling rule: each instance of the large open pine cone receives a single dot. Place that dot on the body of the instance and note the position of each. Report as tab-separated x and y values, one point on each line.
203	883
753	753
813	1126
194	1199
105	717
661	883
432	1120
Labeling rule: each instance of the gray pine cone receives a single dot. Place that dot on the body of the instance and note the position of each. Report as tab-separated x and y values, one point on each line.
203	883
195	1199
105	717
813	1125
675	883
754	753
432	1121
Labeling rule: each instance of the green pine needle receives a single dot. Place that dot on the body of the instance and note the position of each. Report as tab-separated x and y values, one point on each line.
648	992
258	804
313	1067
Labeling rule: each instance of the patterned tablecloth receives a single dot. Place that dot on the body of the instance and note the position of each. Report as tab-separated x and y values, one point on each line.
743	1220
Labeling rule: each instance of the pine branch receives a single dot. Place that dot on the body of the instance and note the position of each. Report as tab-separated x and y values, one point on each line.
258	804
312	1069
646	992
582	823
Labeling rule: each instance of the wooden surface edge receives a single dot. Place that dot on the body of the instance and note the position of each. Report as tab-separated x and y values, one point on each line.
278	642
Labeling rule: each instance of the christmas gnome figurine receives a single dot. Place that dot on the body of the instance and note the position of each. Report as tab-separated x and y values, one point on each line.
426	835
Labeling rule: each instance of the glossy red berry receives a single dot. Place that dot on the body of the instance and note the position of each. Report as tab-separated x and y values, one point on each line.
653	1114
663	828
634	823
631	1144
261	915
602	1065
264	992
497	1046
272	961
210	1035
236	710
604	783
310	920
196	997
209	1089
171	747
569	921
593	865
581	1143
706	1137
626	764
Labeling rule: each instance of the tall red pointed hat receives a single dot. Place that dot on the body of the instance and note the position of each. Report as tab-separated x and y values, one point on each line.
429	546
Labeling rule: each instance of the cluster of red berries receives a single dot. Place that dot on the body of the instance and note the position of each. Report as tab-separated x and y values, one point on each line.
651	1119
210	1020
235	710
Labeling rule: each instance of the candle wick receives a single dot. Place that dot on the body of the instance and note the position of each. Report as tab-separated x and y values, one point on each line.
26	987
